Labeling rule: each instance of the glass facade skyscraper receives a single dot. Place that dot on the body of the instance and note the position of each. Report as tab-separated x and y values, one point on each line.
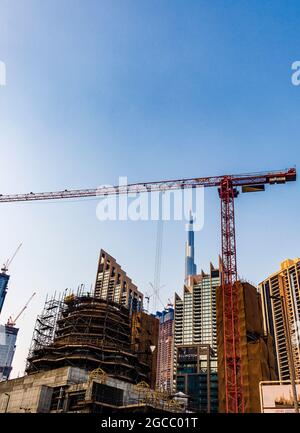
3	288
8	337
197	377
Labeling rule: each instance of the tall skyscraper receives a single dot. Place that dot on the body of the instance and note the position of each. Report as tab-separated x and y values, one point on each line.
112	284
190	266
286	281
8	336
3	287
164	373
195	334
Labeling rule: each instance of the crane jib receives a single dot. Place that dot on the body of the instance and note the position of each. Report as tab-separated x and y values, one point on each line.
273	177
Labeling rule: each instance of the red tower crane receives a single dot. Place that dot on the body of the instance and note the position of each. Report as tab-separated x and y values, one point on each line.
228	187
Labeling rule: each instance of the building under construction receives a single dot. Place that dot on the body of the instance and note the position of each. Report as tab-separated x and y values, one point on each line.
86	332
144	338
90	355
256	348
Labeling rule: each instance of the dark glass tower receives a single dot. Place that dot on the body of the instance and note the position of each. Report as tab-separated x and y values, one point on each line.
3	288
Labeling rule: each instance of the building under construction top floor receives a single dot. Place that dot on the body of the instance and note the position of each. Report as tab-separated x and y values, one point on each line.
86	332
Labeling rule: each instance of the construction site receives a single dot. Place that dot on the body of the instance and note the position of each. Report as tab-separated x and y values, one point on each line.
72	389
85	332
107	331
90	355
149	170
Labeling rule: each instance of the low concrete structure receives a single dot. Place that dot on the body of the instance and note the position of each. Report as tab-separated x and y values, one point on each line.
70	389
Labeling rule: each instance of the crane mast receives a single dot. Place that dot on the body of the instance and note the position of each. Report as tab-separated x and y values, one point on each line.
231	327
228	187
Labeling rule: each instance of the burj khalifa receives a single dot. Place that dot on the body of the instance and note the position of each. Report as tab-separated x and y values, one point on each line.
190	266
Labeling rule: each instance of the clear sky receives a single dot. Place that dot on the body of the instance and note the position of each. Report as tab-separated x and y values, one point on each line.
150	90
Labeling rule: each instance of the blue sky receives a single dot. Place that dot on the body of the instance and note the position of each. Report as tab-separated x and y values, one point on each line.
150	90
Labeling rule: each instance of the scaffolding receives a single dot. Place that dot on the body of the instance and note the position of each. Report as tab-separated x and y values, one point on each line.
87	332
44	330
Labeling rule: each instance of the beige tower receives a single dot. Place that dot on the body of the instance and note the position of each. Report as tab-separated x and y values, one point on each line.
112	284
284	282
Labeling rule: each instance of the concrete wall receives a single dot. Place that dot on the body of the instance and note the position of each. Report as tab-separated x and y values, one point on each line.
33	393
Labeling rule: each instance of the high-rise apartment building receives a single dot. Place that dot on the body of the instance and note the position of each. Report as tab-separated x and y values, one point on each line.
3	287
195	312
190	266
164	373
112	284
8	337
195	328
286	281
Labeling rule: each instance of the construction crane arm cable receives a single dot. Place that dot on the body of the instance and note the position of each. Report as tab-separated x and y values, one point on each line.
13	256
8	261
11	321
